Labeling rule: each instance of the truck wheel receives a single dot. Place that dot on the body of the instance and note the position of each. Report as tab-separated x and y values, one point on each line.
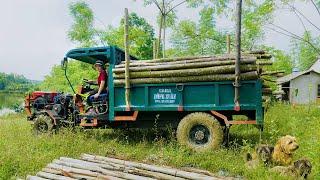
43	125
200	132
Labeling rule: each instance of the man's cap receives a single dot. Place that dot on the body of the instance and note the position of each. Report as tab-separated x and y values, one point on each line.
99	62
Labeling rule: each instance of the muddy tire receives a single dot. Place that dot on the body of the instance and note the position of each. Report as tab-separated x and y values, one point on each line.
200	132
43	125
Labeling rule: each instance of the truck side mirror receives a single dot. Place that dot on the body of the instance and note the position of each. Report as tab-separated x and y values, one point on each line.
64	62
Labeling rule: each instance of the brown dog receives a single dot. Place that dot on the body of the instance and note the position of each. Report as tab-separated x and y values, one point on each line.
283	150
299	169
263	154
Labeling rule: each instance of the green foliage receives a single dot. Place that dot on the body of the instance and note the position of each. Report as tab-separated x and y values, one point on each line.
141	36
255	15
304	54
14	82
76	71
82	31
190	38
281	61
23	153
10	100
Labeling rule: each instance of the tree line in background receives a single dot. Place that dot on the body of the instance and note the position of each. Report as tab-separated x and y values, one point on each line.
188	38
15	83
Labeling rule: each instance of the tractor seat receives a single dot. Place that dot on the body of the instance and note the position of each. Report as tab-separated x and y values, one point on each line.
101	97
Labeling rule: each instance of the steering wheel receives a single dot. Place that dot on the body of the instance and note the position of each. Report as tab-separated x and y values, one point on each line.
85	80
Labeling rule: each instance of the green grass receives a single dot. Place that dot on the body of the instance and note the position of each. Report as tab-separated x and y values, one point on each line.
22	153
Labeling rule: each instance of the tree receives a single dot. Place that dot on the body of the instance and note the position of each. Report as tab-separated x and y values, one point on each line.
167	17
141	36
303	53
190	38
289	4
305	48
14	82
204	38
76	71
281	60
82	31
255	16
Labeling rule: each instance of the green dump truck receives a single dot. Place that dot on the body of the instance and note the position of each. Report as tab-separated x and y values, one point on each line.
200	112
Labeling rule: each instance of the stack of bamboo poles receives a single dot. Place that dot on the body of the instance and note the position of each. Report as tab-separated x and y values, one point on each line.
192	69
98	167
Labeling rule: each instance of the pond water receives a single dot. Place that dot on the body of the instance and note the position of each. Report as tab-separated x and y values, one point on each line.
9	101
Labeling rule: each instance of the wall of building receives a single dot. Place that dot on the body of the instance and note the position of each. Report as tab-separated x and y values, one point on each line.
304	89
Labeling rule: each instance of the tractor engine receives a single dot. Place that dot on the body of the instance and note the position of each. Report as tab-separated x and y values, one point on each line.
62	105
36	101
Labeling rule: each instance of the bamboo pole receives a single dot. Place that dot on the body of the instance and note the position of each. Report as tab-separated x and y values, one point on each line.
187	65
153	168
97	168
228	44
200	171
221	56
187	61
204	78
127	60
174	59
72	170
272	73
264	62
136	171
63	172
53	176
159	37
154	51
164	36
77	173
257	52
238	56
35	178
187	72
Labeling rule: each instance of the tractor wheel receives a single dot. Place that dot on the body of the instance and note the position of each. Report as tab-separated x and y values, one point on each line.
43	125
200	132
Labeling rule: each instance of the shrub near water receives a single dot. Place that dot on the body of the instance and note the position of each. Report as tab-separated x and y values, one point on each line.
22	153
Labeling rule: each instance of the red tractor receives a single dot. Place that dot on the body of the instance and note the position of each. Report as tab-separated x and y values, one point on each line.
36	101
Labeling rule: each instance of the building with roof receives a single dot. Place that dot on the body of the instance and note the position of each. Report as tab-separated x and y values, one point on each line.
301	87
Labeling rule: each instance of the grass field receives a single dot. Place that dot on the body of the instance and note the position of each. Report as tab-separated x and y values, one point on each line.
22	153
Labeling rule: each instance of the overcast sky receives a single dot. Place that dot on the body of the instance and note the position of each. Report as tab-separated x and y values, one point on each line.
33	34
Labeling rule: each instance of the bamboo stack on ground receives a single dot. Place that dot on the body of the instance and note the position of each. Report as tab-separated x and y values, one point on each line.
193	69
99	167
